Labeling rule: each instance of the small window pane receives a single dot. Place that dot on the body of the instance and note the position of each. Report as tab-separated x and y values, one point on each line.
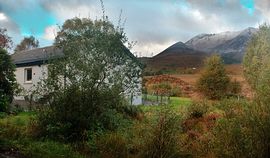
28	74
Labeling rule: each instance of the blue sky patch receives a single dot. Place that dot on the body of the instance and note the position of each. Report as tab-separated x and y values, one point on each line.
32	18
249	5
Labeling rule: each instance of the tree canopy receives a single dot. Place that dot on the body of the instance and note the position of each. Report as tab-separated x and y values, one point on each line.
214	82
86	87
7	79
257	62
5	40
27	43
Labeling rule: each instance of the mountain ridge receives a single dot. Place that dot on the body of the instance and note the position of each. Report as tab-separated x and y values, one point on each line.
230	45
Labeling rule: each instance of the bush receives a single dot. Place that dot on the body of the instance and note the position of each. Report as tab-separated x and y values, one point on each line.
112	145
162	139
4	103
214	81
175	92
74	112
197	110
243	132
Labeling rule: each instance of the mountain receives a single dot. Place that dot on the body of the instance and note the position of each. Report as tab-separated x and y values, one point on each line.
175	49
231	45
179	55
207	42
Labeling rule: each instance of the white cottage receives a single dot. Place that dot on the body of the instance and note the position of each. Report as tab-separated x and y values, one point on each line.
31	67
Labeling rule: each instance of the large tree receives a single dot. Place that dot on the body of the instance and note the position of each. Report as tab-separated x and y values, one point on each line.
5	40
7	79
257	63
86	87
27	43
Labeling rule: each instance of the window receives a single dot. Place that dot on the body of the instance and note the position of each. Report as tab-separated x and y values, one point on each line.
28	75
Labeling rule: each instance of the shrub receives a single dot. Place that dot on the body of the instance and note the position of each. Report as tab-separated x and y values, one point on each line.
112	145
214	81
197	110
74	112
3	103
243	132
175	92
162	139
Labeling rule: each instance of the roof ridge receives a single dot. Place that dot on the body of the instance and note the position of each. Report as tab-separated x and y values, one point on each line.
25	51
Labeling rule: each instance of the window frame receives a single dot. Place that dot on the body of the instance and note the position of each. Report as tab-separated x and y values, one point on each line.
26	70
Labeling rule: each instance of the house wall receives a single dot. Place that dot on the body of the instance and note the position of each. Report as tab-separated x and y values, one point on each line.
38	72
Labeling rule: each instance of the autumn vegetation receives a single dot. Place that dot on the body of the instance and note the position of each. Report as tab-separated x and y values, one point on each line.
88	115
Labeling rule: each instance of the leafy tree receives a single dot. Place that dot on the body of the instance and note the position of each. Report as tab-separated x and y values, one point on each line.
5	40
85	88
214	81
27	43
257	62
7	79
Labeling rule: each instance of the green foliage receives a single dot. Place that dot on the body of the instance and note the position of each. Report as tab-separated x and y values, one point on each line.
7	80
112	145
162	139
27	43
3	103
85	89
214	81
175	91
75	112
243	132
257	63
197	110
14	135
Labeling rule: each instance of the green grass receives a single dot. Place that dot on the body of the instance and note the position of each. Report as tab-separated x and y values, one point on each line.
13	135
21	119
45	149
176	103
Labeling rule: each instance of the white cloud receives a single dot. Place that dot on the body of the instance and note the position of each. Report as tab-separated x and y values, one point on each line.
50	32
2	16
197	15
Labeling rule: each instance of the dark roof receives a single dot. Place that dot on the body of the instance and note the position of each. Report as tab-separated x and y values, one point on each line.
36	56
41	55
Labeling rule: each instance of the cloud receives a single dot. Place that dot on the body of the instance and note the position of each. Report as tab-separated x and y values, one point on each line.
154	24
6	22
2	17
50	32
263	6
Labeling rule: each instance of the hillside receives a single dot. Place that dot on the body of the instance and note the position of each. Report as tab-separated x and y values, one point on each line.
231	45
176	57
183	57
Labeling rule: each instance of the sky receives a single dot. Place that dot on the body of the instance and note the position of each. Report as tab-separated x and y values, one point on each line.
152	24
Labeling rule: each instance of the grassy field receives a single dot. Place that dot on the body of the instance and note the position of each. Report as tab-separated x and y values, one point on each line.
15	140
176	103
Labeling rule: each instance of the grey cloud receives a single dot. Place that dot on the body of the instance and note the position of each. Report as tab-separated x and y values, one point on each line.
157	22
230	11
11	26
